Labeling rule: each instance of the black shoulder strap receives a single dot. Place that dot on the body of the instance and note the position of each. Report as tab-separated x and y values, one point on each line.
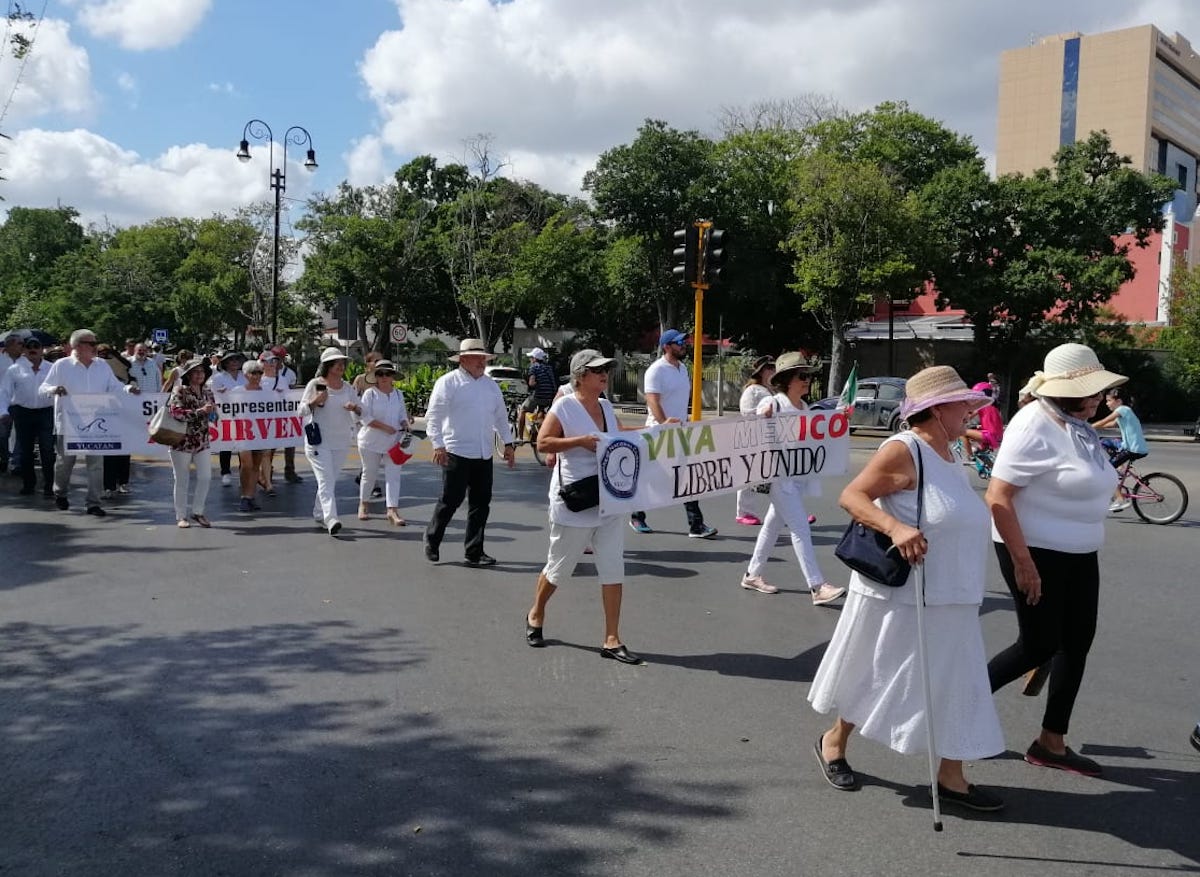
920	482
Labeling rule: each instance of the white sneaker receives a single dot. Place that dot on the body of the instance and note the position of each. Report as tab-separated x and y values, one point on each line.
1120	506
827	593
226	480
758	583
109	494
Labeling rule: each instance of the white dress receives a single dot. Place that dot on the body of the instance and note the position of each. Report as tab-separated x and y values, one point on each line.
870	675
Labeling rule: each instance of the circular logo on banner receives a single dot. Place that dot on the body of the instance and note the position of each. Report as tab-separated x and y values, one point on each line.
619	468
399	333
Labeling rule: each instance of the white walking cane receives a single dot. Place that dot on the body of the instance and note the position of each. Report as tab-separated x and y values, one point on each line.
923	660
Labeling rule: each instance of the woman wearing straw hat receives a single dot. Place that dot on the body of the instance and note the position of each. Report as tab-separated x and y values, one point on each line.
1049	496
384	422
792	378
869	676
757	388
228	376
192	402
330	404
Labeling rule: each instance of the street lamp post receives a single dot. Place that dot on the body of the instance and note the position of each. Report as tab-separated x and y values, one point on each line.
261	131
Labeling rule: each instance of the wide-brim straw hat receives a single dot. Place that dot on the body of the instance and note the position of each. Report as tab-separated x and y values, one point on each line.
939	385
1072	371
792	363
329	354
761	363
472	347
192	364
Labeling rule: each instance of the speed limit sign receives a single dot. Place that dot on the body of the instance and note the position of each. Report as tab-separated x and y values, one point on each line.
399	333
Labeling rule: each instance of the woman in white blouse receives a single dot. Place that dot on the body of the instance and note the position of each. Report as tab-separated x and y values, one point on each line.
384	424
330	404
757	388
571	430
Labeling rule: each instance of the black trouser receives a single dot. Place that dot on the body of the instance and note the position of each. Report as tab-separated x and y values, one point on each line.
695	517
35	426
116	471
1120	457
1061	626
225	457
463	477
289	461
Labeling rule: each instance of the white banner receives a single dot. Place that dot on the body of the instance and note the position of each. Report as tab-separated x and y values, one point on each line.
118	423
667	465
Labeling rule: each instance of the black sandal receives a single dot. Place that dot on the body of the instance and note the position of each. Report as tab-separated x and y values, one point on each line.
533	635
620	653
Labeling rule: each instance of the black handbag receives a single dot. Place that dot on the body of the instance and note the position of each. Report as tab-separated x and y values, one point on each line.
872	554
584	494
312	432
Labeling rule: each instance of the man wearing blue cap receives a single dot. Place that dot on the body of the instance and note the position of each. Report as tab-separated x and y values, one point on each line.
668	391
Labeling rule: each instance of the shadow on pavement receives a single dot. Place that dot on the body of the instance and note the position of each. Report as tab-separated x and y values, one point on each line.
290	749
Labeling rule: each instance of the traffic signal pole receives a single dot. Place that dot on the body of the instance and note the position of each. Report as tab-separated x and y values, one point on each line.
699	285
698	256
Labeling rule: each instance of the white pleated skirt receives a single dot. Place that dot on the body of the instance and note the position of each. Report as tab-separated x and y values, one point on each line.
870	676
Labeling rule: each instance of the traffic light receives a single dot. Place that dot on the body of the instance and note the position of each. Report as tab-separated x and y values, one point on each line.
683	259
714	255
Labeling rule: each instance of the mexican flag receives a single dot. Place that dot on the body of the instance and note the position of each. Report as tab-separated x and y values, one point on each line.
849	389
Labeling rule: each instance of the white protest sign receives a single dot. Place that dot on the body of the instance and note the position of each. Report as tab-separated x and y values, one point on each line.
668	465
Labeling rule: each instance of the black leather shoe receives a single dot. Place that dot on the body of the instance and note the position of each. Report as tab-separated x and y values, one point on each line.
533	635
1195	738
974	798
62	503
25	491
431	553
481	560
96	512
620	653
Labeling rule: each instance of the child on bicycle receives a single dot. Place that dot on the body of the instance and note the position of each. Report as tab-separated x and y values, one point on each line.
991	428
1133	441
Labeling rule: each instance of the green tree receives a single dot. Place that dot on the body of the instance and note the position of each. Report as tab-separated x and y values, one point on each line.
649	188
31	240
853	238
1182	339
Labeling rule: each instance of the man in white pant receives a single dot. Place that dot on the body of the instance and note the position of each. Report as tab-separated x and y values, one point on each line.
79	373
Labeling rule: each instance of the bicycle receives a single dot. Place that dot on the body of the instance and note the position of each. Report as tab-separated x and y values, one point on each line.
533	422
982	459
1158	498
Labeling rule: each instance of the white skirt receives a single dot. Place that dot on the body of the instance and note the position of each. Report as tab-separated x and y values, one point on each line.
870	676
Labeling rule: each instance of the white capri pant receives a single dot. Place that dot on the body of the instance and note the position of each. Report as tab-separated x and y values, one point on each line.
568	543
180	463
326	463
747	502
371	463
787	509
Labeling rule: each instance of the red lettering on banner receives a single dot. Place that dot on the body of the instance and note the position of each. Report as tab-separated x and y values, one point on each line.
818	422
839	424
264	426
212	433
242	433
287	427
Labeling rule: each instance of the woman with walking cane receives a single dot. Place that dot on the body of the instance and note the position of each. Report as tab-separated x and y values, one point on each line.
870	676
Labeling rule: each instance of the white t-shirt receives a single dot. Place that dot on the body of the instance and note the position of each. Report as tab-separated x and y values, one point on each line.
673	384
752	397
576	463
222	381
1065	488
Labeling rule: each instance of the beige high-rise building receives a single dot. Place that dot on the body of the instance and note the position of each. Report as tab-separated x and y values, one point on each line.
1139	85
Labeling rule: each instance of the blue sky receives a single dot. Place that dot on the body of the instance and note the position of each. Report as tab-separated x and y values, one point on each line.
132	109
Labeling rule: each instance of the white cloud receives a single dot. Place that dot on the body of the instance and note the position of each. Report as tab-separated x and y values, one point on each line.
127	83
107	182
55	79
559	81
142	24
222	88
365	162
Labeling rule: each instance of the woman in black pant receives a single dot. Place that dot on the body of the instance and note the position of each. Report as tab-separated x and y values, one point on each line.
1049	496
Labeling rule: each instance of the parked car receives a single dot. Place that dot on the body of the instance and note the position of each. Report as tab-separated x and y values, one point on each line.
511	380
876	404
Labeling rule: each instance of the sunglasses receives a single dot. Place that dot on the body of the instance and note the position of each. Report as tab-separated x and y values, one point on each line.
598	369
384	374
91	343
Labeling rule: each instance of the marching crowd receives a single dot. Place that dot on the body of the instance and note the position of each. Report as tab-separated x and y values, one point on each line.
1052	486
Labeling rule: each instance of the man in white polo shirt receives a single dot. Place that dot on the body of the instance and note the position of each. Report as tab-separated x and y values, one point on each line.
668	389
466	408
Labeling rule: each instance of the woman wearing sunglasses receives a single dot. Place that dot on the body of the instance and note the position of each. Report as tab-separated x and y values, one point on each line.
384	424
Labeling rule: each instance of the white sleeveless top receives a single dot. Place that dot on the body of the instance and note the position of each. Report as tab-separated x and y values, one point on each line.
956	525
576	463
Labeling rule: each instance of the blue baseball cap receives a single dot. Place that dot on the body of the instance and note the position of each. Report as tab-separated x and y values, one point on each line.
672	336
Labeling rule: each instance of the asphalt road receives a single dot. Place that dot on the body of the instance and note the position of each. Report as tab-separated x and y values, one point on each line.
261	699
